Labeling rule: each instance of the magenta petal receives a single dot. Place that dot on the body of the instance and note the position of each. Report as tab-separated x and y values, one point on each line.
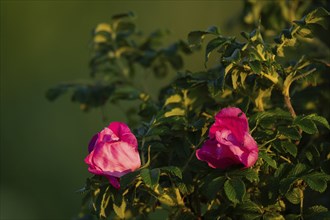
251	146
226	137
124	133
92	142
114	181
107	135
232	119
215	155
116	159
91	167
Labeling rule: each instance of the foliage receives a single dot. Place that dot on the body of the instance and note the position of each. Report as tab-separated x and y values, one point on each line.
281	86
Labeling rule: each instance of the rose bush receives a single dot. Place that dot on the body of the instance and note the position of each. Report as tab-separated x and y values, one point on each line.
229	141
282	89
113	153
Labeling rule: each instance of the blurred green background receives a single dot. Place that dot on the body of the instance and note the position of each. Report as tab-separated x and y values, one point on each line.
43	144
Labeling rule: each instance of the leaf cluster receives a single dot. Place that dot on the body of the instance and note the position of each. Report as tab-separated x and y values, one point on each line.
259	76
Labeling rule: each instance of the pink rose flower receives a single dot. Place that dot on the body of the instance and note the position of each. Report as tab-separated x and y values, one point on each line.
113	153
229	141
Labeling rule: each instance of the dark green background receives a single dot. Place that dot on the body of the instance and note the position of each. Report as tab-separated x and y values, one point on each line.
43	144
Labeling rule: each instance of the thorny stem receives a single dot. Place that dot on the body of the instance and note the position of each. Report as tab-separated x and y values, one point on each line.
192	155
286	91
288	104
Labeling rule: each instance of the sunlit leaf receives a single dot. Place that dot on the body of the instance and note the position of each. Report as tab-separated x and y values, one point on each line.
294	196
175	112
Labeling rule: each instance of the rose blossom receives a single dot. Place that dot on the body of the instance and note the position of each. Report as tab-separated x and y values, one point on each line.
229	141
113	153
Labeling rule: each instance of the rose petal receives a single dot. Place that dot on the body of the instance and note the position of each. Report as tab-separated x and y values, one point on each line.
124	133
91	167
116	159
215	155
92	142
232	119
251	156
246	153
114	181
226	137
107	135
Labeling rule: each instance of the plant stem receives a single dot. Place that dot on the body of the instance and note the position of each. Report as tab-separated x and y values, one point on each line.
287	101
301	192
144	139
189	159
192	155
142	149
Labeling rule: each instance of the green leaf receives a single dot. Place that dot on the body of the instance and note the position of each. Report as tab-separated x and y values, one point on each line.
255	66
235	56
286	184
272	216
318	16
271	162
213	30
213	44
317	212
289	132
307	125
309	155
325	166
150	177
292	217
182	187
126	92
319	119
317	181
159	130
250	174
53	93
298	169
289	147
211	188
172	170
128	178
249	207
294	196
195	37
216	86
124	28
129	14
155	174
275	114
145	174
234	190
